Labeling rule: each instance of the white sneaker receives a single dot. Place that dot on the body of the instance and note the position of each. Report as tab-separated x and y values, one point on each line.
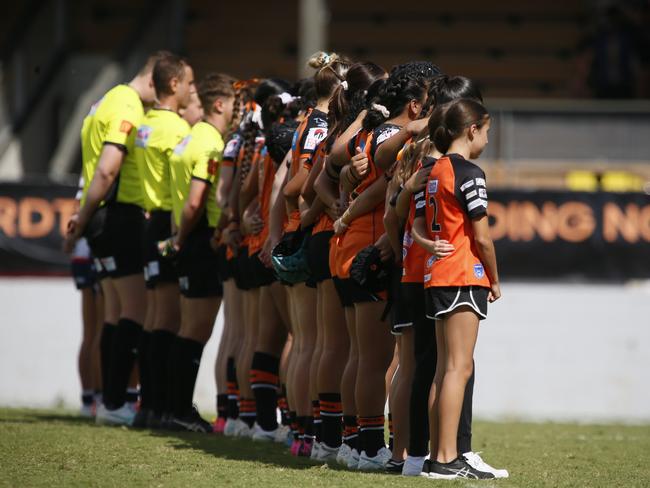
353	459
327	454
281	434
343	455
315	451
261	435
242	429
476	461
375	463
122	416
413	466
86	411
229	428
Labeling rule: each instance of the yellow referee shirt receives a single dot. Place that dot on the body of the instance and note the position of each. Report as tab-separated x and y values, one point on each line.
113	120
160	132
197	157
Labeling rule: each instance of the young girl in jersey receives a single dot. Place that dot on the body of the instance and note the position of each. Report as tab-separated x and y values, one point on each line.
310	134
453	207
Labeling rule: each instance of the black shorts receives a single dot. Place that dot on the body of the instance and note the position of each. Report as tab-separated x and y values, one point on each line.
408	307
197	266
113	235
260	274
441	300
225	271
158	269
318	255
241	269
83	273
350	292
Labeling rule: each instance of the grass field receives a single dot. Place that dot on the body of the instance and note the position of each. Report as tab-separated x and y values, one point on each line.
54	448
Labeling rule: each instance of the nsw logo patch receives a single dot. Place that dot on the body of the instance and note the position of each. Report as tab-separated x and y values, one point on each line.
479	272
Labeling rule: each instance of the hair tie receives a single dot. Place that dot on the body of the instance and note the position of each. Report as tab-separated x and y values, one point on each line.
380	108
326	59
344	84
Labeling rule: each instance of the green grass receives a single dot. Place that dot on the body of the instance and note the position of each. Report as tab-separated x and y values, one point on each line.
52	448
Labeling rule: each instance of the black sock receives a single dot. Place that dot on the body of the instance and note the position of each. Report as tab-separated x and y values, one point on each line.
105	345
371	434
222	406
247	411
232	389
186	360
123	355
331	413
425	369
301	421
131	395
316	420
160	348
265	380
87	397
295	428
309	428
283	405
464	439
390	432
145	370
351	431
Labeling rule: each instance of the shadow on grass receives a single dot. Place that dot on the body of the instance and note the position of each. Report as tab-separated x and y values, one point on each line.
234	449
227	448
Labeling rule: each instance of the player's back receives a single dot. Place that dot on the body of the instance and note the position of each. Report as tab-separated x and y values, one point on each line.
157	137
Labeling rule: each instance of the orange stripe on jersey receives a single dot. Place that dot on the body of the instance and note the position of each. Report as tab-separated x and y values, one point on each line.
455	193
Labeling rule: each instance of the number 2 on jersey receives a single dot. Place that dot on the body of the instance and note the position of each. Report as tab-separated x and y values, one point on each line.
435	226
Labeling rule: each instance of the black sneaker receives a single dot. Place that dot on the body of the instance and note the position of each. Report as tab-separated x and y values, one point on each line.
154	421
394	467
458	468
192	422
140	419
426	468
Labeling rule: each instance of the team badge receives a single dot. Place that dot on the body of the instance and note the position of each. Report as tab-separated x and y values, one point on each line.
314	137
430	261
478	271
180	147
126	127
142	136
432	186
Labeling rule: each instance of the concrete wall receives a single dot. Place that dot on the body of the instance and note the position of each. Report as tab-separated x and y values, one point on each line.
547	352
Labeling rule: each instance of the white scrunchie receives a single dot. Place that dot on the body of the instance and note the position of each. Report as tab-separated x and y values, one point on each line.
286	98
380	108
326	59
344	84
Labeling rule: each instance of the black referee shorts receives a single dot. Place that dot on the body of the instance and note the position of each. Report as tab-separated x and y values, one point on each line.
198	266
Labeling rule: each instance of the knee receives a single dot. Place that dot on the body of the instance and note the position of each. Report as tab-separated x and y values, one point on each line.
463	369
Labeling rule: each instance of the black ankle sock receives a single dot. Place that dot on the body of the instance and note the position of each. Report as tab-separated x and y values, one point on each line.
160	349
316	419
145	370
331	413
105	346
295	428
351	431
247	411
390	432
283	405
131	395
232	389
301	422
371	434
309	428
123	355
222	406
87	397
264	382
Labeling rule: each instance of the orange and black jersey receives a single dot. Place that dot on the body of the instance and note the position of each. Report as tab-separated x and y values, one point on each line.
454	195
413	255
231	151
308	136
266	174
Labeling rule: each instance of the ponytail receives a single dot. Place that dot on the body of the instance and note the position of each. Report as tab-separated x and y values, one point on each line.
449	121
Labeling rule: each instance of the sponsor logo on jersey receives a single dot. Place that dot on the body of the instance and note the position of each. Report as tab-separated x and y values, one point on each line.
180	147
430	261
386	134
478	271
405	251
408	239
126	127
230	152
432	186
314	137
142	136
